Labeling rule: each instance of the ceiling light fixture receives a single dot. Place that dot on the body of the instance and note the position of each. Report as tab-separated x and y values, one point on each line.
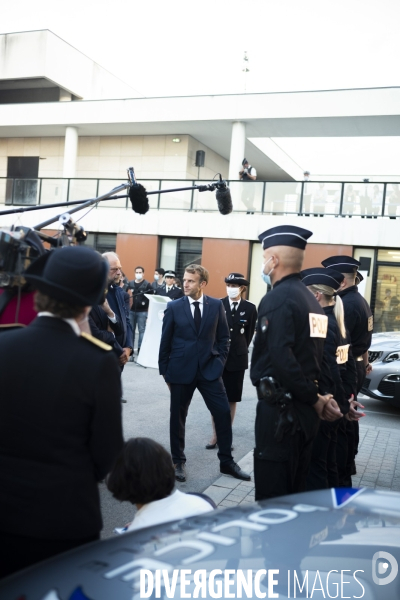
176	140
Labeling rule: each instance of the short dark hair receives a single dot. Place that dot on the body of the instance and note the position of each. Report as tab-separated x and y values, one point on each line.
139	268
160	271
64	310
143	472
203	273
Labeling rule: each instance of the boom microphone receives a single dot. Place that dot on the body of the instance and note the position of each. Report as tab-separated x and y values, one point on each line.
137	194
223	196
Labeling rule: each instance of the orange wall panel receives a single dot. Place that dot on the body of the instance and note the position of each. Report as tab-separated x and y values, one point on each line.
134	250
221	257
315	253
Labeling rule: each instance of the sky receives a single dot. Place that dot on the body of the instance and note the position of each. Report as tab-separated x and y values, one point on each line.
185	47
190	47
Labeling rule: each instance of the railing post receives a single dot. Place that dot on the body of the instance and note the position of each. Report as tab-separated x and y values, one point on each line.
40	191
341	200
301	198
192	198
263	198
384	199
68	189
159	195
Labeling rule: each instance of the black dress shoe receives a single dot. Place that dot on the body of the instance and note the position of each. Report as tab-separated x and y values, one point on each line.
234	470
211	446
180	474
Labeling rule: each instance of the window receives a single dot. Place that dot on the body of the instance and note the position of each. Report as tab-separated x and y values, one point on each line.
177	253
102	242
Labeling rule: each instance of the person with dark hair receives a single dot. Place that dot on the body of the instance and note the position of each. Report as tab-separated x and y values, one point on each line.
140	305
193	351
248	174
144	475
171	290
242	317
159	282
60	423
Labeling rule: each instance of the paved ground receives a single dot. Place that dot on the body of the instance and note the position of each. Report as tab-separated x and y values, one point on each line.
147	414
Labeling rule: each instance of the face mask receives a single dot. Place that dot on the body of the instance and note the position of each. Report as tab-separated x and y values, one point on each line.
266	278
233	292
156	277
139	276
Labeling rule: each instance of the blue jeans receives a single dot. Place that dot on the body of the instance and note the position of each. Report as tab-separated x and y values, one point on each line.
140	319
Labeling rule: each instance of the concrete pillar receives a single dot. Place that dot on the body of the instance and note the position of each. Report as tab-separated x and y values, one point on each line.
70	152
238	143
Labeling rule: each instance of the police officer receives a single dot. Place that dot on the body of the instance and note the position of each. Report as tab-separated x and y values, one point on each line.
285	367
329	458
241	316
171	290
359	323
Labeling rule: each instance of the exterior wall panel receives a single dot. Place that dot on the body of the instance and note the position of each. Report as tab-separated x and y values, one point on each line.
135	250
221	257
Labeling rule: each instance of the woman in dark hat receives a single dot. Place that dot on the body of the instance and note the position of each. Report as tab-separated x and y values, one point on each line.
60	414
241	316
329	459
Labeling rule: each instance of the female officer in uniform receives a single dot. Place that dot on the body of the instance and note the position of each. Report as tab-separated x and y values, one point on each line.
241	316
328	461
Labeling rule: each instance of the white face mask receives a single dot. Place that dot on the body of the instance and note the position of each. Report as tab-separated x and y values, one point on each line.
139	276
156	277
233	292
266	277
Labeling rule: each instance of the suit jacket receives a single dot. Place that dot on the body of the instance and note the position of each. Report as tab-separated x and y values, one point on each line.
60	430
99	323
183	351
119	303
242	328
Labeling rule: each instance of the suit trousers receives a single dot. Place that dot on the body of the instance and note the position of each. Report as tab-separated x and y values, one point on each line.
214	396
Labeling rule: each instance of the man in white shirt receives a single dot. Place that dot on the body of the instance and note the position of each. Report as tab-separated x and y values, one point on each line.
248	174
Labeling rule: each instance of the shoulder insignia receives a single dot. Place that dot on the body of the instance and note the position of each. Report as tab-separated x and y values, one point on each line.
370	323
95	341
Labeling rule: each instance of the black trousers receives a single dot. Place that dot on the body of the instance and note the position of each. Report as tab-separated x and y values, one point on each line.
20	552
323	472
344	450
215	397
280	468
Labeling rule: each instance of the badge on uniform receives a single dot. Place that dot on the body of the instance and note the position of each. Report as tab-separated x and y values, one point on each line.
318	325
370	323
241	314
342	354
264	324
242	330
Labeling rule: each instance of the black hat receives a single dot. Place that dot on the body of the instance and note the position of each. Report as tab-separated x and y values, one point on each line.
236	278
169	273
74	274
343	264
245	162
285	235
321	276
359	277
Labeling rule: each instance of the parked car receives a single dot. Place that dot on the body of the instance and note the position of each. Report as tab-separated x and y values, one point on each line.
383	383
342	543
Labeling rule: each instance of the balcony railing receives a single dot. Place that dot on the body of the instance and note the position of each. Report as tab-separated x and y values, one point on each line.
263	197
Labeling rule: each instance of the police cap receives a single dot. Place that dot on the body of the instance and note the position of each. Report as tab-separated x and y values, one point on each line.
285	235
236	278
343	264
321	276
169	273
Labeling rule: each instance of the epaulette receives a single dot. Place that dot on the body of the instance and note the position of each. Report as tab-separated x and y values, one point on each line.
12	325
96	342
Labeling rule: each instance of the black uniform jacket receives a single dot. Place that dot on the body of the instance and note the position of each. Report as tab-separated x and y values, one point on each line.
289	343
340	364
60	430
99	323
140	303
358	318
174	293
241	329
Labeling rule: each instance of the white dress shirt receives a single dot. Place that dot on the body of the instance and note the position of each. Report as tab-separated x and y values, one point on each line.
71	322
200	300
231	303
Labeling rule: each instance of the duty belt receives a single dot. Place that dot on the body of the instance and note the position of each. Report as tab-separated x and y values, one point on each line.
270	391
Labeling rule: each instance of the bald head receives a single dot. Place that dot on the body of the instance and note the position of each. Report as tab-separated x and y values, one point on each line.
284	260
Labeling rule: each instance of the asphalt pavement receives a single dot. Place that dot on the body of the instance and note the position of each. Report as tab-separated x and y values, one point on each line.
146	414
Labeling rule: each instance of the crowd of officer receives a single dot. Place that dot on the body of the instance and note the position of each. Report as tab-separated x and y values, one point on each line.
309	362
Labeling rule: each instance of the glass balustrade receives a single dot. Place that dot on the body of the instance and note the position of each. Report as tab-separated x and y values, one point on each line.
311	198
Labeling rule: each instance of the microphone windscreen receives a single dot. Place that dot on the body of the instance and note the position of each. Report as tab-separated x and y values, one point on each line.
139	199
224	201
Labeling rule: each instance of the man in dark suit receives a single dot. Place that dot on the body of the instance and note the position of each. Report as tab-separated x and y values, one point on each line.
105	326
241	316
119	304
60	423
193	350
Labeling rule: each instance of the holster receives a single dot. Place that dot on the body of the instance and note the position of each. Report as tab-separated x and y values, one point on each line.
271	392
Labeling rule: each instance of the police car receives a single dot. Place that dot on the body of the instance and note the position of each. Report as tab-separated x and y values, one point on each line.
342	543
